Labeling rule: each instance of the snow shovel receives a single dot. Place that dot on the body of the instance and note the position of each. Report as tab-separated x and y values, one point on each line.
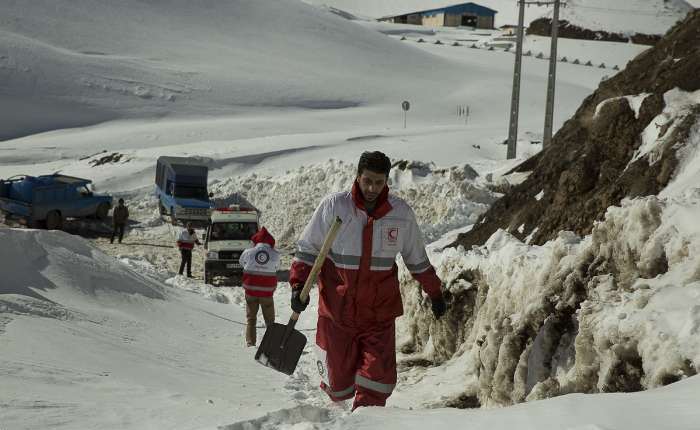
281	346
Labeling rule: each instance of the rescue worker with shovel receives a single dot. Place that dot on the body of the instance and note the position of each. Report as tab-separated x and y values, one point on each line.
359	296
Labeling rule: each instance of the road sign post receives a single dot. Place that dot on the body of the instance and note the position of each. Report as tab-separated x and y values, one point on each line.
405	106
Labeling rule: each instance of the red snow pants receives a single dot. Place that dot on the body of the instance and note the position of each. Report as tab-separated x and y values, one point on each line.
357	362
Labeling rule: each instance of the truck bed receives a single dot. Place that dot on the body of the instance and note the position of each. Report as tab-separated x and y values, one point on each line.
15	208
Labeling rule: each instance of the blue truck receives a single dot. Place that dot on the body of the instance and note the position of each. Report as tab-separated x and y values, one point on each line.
46	201
181	189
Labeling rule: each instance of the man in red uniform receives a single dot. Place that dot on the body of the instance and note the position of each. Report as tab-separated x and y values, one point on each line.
260	265
359	296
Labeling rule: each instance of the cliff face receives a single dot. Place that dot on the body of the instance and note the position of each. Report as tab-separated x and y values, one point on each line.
601	156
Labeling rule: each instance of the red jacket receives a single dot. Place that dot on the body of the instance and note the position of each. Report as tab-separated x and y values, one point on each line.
359	283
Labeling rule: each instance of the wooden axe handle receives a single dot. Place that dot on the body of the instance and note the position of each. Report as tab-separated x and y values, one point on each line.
320	258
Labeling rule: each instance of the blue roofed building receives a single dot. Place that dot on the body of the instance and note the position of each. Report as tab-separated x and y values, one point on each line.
463	14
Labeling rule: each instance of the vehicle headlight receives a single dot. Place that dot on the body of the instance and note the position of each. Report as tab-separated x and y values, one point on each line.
213	255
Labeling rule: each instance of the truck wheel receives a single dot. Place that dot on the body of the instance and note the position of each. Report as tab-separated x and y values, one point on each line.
208	279
161	209
54	220
102	211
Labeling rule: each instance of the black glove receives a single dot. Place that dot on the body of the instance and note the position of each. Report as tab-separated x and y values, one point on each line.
439	306
297	305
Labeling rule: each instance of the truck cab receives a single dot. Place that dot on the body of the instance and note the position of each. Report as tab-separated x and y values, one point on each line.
181	189
228	235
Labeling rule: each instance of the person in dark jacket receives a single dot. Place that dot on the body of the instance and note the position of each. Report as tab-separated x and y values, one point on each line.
120	216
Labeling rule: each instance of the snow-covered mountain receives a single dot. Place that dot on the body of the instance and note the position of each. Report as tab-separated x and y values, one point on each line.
82	62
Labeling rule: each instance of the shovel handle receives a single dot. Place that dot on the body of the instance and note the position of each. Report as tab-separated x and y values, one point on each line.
318	263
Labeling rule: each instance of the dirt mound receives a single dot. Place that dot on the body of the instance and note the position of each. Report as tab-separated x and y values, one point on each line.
543	27
594	161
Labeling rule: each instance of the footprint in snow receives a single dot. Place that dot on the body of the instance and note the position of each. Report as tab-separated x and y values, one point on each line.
298	417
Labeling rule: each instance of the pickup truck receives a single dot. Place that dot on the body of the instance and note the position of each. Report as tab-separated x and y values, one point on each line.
181	189
46	201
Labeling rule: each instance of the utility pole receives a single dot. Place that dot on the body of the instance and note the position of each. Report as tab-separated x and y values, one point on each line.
515	98
549	112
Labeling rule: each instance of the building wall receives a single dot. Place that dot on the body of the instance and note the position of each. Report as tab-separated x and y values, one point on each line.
415	18
437	20
452	20
484	22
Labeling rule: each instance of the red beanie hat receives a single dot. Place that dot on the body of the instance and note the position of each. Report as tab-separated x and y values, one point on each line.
263	236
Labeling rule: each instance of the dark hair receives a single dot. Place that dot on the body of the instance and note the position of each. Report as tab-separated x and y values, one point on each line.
375	161
121	200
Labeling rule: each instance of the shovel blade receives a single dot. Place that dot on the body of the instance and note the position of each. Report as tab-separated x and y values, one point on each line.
276	355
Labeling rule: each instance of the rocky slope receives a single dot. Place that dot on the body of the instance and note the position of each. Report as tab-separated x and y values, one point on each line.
592	163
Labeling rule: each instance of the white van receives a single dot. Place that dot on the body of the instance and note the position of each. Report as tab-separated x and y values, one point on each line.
228	235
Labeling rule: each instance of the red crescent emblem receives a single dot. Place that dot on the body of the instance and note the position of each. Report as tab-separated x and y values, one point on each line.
393	233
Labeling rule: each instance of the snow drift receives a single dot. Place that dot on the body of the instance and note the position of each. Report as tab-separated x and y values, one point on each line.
87	341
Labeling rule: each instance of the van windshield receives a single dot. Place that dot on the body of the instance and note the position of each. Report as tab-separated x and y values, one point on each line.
185	192
233	230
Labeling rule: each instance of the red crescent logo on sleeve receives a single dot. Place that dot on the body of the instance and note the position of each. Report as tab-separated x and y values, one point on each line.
393	234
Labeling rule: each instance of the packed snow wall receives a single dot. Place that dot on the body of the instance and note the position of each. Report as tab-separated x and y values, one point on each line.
616	310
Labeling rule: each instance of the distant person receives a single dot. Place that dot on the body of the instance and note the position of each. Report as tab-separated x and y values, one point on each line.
120	216
260	265
359	296
186	242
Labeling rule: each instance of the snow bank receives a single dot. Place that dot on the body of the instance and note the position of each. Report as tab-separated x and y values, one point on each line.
52	260
618	310
90	342
443	199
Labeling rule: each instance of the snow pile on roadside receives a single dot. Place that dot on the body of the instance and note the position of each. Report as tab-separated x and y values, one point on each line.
443	199
48	262
678	104
618	310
